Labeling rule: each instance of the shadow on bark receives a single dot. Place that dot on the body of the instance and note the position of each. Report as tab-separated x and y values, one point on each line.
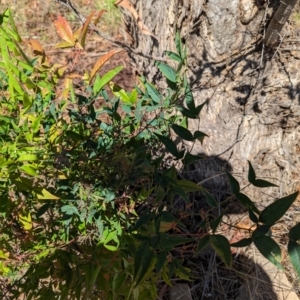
213	280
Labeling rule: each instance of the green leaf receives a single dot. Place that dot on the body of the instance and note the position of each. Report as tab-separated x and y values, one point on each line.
99	84
70	210
202	224
242	243
42	210
169	144
161	259
27	157
263	183
199	108
294	254
251	173
173	56
178	43
147	264
252	216
215	223
153	93
29	169
169	241
222	247
182	273
143	220
118	92
199	135
243	199
269	249
180	191
190	158
74	135
167	71
276	210
187	113
189	186
261	230
118	281
189	98
182	132
43	194
209	199
234	184
294	233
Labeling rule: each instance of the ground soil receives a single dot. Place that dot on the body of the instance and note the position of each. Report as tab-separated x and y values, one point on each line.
35	20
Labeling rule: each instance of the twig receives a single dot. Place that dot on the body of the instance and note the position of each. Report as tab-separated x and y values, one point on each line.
82	19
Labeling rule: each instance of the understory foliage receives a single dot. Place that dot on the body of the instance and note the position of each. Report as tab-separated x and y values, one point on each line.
87	177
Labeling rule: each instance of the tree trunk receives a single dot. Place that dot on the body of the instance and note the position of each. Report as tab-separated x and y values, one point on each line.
252	92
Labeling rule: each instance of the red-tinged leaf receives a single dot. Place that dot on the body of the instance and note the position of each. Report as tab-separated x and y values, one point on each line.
102	60
99	15
84	30
64	30
37	48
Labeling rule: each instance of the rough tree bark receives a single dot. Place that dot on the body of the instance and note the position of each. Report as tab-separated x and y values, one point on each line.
252	92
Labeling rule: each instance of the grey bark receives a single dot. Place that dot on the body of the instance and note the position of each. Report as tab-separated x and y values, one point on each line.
252	92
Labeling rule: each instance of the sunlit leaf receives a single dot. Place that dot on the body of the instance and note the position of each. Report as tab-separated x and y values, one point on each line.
269	249
43	194
29	169
64	30
294	254
276	210
167	71
182	132
101	61
173	56
25	220
99	84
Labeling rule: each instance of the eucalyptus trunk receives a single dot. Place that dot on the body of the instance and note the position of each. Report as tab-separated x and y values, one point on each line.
246	69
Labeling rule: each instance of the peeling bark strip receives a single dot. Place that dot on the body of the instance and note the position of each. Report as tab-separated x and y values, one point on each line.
279	19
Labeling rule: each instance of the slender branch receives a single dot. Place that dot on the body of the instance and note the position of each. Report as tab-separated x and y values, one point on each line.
82	19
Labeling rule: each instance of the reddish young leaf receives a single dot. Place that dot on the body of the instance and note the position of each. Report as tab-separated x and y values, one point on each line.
84	29
64	30
101	61
99	15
